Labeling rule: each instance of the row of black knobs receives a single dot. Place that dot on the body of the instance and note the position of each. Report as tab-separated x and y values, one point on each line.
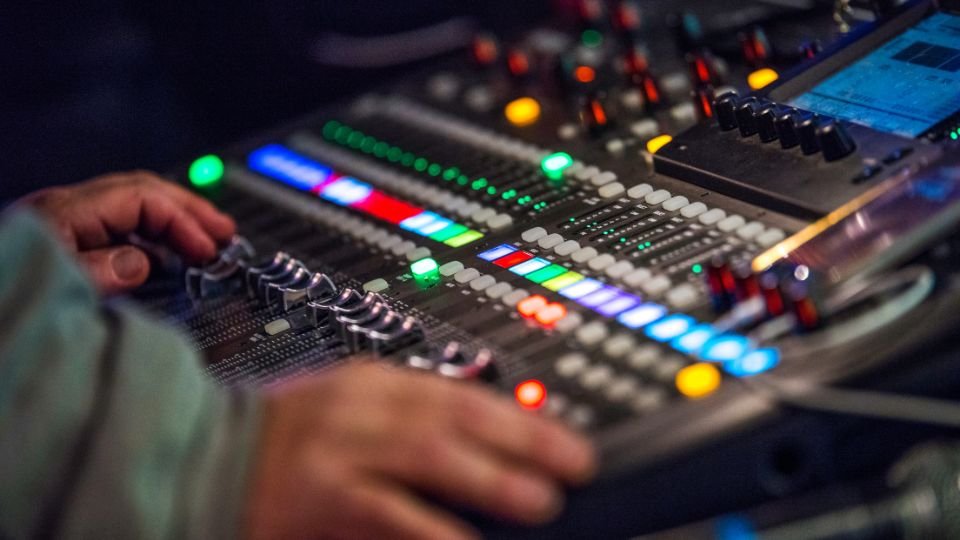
792	127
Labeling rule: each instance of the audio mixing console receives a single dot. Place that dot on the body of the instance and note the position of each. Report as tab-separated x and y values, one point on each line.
629	241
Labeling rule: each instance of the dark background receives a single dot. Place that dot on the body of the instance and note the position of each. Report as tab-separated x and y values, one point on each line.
91	86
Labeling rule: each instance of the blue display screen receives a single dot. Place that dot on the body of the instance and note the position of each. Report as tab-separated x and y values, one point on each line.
906	86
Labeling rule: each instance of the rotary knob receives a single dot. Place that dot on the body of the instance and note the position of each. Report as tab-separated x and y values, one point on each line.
725	109
807	133
835	142
767	123
747	116
786	124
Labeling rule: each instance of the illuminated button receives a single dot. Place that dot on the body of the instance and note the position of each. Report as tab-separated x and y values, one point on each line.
451	268
418	221
656	285
670	327
534	234
694	339
750	230
639	191
712	216
601	262
403	249
206	171
550	314
529	306
513	259
562	281
498	290
618	305
619	345
425	271
555	164
698	380
566	248
595	377
675	203
581	289
761	78
592	333
550	241
514	298
621	388
731	223
693	210
582	255
619	269
522	112
603	179
530	266
770	237
464	239
645	129
657	197
610	191
725	348
416	254
683	296
599	298
645	357
571	365
497	252
466	275
499	222
655	144
753	363
641	315
377	285
569	323
482	283
531	394
483	214
278	326
545	274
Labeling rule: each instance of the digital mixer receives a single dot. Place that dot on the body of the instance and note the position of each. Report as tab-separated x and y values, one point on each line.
662	229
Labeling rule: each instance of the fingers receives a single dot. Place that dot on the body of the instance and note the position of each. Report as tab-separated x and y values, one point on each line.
115	270
384	511
162	218
218	225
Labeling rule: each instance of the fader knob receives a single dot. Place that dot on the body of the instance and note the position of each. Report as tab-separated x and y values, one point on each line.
747	116
725	108
835	142
786	124
766	123
807	131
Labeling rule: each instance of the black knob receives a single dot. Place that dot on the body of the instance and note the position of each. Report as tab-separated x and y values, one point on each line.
725	109
767	123
835	142
786	124
807	131
747	116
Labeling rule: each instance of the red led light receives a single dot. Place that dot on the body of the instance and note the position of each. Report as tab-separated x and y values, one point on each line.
529	306
585	74
518	63
513	259
531	394
485	50
636	62
703	72
650	90
550	314
599	115
387	208
706	106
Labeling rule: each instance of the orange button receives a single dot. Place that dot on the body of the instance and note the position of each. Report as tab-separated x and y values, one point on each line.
531	394
549	314
529	306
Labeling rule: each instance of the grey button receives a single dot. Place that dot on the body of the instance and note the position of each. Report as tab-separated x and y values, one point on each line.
675	203
639	191
619	345
415	255
622	388
550	241
514	298
571	365
403	248
534	234
600	262
450	268
712	216
648	400
683	296
277	327
499	221
482	282
376	285
592	333
656	285
603	178
498	290
645	129
644	357
595	377
466	275
619	269
731	223
568	324
693	210
750	230
583	254
770	237
482	215
637	278
566	248
610	191
657	196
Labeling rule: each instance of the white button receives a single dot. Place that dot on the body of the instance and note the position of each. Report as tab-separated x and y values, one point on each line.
583	254
675	203
750	230
390	241
377	285
603	178
640	190
648	400
619	269
684	113
731	223
619	345
595	377
657	285
550	241
600	262
450	268
378	236
514	298
683	296
592	333
498	290
277	327
568	131
403	248
645	129
571	365
466	275
556	404
693	210
415	255
644	357
587	172
499	221
483	282
534	234
482	215
637	278
621	388
677	83
580	416
666	370
468	209
615	147
610	191
712	216
657	196
770	237
479	99
632	99
568	324
566	248
573	169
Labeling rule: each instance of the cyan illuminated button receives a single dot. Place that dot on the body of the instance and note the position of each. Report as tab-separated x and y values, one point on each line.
581	289
725	348
415	223
670	327
497	252
694	340
599	298
434	227
753	363
618	305
641	315
532	265
346	191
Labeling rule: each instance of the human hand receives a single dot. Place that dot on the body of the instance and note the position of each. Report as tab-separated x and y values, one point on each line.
346	455
95	218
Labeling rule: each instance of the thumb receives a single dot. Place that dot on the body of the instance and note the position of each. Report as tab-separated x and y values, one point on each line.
116	269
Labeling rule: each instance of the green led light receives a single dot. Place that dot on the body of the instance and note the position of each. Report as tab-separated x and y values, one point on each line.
408	159
448	232
955	135
330	129
421	164
463	180
464	239
434	169
591	38
425	271
479	184
509	194
554	165
491	190
343	134
367	145
355	139
696	269
381	149
206	171
562	281
394	154
547	273
451	173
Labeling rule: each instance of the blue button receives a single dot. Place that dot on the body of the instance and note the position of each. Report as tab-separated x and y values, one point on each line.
725	348
497	252
694	339
641	315
618	305
753	363
670	327
602	296
581	289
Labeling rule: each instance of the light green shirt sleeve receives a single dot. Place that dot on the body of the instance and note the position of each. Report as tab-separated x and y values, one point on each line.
108	426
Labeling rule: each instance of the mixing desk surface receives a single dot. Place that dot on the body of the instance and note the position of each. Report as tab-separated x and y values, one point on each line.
647	226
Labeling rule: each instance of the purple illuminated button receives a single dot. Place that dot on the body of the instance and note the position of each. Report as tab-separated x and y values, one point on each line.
599	298
618	305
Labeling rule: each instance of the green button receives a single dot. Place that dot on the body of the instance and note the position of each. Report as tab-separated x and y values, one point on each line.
547	273
564	280
426	272
448	232
464	239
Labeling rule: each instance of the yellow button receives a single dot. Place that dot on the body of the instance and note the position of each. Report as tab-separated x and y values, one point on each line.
698	380
761	78
655	144
522	112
